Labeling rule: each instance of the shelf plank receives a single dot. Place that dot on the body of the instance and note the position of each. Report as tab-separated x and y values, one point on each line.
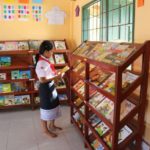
13	67
15	106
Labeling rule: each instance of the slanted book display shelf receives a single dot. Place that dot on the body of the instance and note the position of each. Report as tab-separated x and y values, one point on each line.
18	81
107	96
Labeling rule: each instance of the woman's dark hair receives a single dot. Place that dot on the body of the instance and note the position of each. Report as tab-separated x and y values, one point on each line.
45	46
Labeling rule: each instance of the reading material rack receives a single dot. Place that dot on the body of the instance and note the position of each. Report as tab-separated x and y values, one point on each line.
119	128
20	60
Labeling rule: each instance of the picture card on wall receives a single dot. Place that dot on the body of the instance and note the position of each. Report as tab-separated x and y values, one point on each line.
9	1
37	13
37	1
24	1
8	12
23	12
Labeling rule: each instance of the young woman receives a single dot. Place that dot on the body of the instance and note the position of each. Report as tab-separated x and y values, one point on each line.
49	102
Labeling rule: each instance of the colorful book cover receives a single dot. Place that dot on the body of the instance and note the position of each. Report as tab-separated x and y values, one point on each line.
19	86
15	74
11	45
96	145
3	76
25	74
78	85
5	61
35	44
37	100
2	100
23	45
94	120
106	108
6	87
60	45
9	100
101	128
26	99
81	90
18	100
78	101
59	58
2	46
96	99
126	107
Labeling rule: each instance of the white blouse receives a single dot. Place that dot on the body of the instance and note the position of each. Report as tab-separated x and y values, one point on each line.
43	69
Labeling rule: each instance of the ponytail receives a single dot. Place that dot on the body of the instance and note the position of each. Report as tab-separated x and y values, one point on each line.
36	58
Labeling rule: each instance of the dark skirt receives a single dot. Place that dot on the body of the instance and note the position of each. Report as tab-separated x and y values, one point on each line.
48	96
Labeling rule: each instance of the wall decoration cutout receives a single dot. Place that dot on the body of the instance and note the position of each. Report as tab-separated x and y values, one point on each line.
140	3
37	1
23	1
0	13
23	12
77	11
8	12
55	16
37	13
9	1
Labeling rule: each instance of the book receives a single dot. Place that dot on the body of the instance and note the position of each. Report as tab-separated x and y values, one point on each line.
60	45
126	107
96	145
101	128
18	100
94	120
6	87
23	45
79	67
59	58
78	84
5	61
26	99
3	76
34	44
96	99
78	101
36	84
64	70
9	100
11	45
15	74
25	74
2	101
106	108
37	100
2	46
19	86
81	90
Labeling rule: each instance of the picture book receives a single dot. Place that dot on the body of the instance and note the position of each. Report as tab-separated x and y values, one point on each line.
96	145
108	139
62	97
2	46
9	100
101	128
78	85
78	101
11	45
18	100
81	90
94	120
78	49
64	70
23	45
2	101
96	99
25	74
106	108
59	58
1	90
19	86
26	99
126	107
5	61
6	87
79	67
3	76
124	133
60	45
37	100
15	74
34	44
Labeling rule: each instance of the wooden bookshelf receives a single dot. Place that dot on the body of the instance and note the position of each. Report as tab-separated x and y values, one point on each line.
124	89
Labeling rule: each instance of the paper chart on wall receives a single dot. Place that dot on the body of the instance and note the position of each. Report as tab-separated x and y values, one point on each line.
37	13
23	1
23	12
8	12
37	1
55	16
9	1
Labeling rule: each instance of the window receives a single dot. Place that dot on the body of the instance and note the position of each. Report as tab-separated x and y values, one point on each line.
108	20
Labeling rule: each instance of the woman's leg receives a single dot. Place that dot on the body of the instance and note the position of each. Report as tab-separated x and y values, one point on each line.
45	129
53	126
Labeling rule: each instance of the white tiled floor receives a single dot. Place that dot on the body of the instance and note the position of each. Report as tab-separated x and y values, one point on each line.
21	130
